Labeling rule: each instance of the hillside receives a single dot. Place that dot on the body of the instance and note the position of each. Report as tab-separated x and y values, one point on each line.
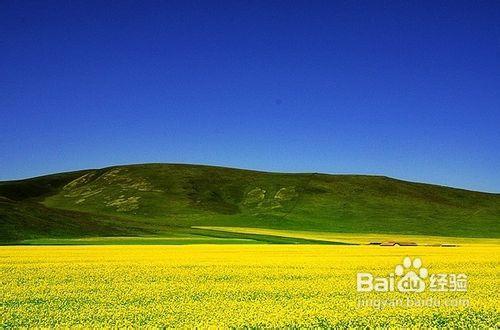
162	199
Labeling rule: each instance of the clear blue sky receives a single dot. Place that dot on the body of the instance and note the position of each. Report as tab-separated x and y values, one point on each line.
405	89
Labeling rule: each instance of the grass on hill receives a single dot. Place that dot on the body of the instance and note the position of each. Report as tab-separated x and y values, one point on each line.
160	199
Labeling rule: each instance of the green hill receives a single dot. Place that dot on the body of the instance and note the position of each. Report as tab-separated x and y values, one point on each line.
168	199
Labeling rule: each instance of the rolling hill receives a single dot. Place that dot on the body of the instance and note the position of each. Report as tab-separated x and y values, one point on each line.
178	201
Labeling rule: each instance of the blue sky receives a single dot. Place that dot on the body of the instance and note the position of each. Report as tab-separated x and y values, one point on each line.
404	89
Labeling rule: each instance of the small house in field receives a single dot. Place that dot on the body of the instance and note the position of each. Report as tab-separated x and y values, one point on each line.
397	243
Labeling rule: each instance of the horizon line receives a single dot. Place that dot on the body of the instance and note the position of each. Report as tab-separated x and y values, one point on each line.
251	170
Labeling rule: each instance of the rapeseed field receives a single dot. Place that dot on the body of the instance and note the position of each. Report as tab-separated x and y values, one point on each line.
238	286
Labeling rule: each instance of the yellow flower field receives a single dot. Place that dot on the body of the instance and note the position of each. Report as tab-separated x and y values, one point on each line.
237	286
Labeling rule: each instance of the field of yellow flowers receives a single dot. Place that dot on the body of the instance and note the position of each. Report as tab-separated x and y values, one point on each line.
237	286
